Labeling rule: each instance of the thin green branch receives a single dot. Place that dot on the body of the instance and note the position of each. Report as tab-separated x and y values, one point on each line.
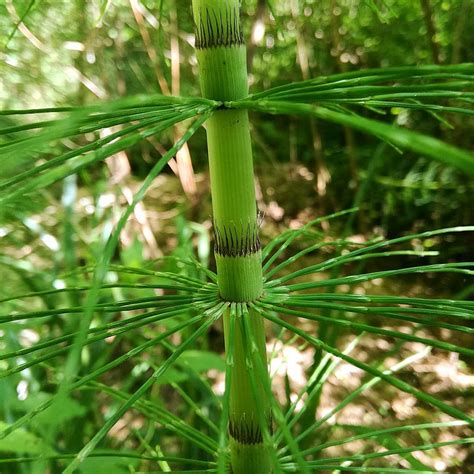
383	432
370	329
401	385
90	446
96	373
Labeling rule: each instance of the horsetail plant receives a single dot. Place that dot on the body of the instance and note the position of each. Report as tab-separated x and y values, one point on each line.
223	76
253	433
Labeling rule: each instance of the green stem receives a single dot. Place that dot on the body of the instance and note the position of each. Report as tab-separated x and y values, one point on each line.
238	255
223	76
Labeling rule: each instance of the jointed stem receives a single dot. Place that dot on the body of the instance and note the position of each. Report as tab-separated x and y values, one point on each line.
223	76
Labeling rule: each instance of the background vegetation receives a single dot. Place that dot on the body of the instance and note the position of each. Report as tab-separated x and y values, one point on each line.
72	53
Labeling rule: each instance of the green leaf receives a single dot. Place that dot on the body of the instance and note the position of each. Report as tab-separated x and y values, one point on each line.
93	465
202	361
21	441
64	410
